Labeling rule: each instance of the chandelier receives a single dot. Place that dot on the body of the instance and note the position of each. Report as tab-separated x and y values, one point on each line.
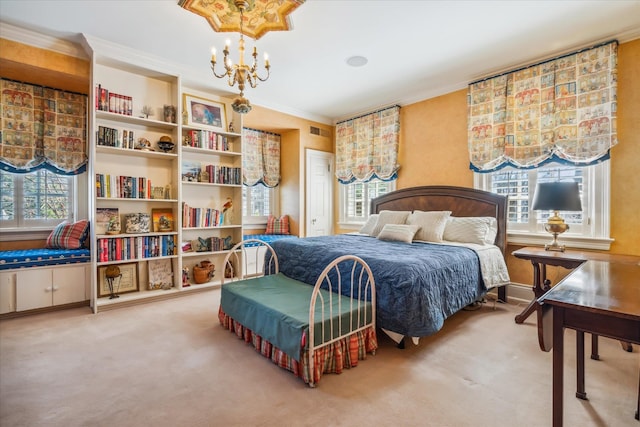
240	73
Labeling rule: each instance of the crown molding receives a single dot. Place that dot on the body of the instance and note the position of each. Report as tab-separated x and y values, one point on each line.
39	40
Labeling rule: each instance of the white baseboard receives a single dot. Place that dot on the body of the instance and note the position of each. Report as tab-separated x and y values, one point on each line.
517	293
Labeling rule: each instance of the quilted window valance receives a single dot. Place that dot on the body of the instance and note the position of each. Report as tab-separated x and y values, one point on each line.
261	157
42	128
367	147
561	110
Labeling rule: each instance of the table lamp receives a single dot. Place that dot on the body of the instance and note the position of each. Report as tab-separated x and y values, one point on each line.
556	196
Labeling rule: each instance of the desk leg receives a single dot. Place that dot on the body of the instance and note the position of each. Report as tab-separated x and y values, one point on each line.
558	365
537	292
594	347
580	392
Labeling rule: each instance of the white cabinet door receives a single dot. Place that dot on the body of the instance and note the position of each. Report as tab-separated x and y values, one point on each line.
33	288
7	292
68	285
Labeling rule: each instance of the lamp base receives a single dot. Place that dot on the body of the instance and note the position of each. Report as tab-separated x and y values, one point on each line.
555	227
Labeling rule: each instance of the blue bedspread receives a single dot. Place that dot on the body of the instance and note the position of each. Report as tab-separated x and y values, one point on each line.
418	285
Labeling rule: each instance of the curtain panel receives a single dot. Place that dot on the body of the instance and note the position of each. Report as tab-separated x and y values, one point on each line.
562	110
367	147
260	158
42	128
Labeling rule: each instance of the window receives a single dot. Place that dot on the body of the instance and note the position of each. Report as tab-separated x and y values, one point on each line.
258	202
588	229
40	199
355	199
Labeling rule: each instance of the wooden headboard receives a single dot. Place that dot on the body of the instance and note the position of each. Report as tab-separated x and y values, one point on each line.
460	201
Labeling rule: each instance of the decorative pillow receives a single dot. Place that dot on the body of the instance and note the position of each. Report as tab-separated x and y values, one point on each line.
480	230
398	232
389	217
431	224
277	225
68	236
368	226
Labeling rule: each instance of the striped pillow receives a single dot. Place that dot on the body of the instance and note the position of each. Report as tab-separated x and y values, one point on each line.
277	225
398	232
68	236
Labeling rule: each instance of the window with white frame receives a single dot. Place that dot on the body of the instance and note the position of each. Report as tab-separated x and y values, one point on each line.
355	199
588	229
258	202
39	199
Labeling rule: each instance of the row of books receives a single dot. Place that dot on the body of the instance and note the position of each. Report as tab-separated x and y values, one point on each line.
215	174
111	137
214	244
207	139
129	248
113	102
201	217
123	187
223	174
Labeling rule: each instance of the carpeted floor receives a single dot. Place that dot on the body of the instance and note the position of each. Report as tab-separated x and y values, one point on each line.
171	364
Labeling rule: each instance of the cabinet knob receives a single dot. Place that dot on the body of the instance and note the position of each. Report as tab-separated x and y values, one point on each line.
48	289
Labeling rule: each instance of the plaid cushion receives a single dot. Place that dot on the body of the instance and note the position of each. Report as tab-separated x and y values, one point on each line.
68	236
277	225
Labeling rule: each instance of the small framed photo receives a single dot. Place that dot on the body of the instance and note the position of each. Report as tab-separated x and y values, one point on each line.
162	220
205	113
125	281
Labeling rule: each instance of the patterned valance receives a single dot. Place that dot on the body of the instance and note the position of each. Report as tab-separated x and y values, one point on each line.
367	147
260	158
42	128
561	110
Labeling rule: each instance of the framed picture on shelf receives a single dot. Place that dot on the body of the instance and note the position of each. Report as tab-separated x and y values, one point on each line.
125	279
160	274
205	113
162	220
107	221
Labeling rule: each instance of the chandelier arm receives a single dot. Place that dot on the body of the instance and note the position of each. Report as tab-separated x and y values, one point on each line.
263	79
213	69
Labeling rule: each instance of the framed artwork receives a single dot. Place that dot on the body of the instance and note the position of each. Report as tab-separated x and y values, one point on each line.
162	220
107	221
205	113
126	281
160	274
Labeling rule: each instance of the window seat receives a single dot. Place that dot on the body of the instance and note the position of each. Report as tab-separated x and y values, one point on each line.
42	257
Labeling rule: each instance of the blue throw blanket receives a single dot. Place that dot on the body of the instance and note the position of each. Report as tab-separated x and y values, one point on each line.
418	285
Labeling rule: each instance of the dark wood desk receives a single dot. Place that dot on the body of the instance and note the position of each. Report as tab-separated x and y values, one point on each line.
541	258
600	297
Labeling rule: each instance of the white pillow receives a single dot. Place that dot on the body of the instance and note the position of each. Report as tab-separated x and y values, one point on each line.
481	230
389	217
367	228
431	224
398	232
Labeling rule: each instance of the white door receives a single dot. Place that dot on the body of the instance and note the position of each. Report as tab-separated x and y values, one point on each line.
319	193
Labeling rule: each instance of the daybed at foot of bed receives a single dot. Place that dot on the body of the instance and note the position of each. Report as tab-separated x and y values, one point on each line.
332	359
307	330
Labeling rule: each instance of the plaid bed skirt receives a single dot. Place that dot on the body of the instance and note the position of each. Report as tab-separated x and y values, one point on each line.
332	358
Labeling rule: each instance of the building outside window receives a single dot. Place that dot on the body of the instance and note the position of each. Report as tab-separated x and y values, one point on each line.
588	229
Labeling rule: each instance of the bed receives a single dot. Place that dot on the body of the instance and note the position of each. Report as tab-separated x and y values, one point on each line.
419	283
308	330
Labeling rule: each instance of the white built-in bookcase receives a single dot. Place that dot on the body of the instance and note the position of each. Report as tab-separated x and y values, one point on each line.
113	161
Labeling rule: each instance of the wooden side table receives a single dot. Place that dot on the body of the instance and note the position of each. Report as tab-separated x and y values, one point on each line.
540	258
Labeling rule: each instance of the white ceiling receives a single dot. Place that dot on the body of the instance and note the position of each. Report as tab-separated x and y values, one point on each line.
416	49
